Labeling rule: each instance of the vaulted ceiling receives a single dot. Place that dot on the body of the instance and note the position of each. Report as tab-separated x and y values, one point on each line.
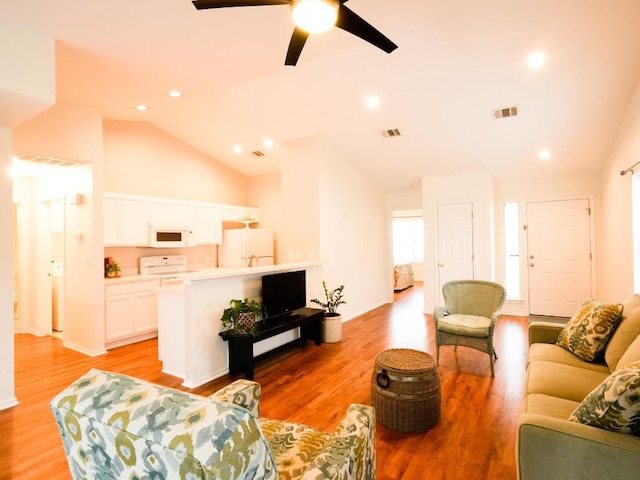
456	61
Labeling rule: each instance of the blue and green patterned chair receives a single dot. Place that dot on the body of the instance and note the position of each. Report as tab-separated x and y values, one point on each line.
118	427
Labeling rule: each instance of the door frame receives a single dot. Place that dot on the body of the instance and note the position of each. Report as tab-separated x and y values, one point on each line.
524	271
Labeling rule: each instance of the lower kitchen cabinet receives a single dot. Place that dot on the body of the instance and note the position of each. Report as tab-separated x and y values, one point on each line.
131	312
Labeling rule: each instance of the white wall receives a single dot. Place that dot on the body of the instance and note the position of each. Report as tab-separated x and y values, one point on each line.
27	83
335	214
353	234
75	133
27	86
7	384
614	232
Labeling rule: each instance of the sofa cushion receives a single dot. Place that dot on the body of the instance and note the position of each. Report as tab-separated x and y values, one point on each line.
548	406
631	355
627	331
588	331
293	445
562	381
557	354
614	404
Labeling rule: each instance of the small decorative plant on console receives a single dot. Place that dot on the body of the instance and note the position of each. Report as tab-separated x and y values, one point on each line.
332	323
242	316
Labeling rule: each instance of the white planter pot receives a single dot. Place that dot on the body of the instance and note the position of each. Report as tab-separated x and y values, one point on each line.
332	328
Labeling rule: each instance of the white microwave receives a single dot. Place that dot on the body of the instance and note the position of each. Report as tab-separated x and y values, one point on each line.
171	237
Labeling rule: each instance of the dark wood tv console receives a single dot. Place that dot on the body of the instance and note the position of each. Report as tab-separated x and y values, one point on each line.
241	357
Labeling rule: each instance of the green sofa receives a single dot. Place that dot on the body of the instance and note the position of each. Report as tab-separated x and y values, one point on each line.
118	427
549	446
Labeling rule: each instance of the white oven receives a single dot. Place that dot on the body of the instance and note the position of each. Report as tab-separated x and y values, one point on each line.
170	268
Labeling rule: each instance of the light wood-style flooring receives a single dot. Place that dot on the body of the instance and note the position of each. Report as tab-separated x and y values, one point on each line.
475	438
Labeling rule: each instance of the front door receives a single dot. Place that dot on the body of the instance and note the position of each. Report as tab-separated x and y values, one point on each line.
559	256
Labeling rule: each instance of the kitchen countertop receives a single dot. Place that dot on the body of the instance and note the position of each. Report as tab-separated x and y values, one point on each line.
213	273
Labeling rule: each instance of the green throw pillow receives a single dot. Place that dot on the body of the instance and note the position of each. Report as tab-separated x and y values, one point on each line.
614	404
588	331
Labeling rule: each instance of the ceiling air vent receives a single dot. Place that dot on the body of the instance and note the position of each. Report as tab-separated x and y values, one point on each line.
394	132
257	153
505	112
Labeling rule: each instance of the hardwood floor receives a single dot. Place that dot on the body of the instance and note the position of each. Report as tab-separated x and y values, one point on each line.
475	438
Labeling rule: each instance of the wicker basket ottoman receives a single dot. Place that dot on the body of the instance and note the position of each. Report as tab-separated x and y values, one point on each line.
405	390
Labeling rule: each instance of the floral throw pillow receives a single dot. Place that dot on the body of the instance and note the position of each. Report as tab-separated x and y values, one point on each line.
614	404
588	331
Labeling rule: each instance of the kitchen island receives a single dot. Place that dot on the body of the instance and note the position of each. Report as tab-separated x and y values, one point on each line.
189	344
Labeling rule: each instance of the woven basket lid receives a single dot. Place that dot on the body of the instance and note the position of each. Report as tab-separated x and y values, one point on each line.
406	359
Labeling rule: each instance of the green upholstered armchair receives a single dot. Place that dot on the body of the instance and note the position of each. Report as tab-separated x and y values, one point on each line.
469	317
118	427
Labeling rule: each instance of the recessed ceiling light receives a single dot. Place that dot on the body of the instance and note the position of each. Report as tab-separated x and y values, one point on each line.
267	142
536	60
142	107
372	101
175	93
544	154
237	149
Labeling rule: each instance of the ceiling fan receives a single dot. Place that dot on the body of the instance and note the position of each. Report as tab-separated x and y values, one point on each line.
342	17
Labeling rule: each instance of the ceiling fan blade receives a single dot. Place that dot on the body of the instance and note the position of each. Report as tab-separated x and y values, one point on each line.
350	22
204	4
298	39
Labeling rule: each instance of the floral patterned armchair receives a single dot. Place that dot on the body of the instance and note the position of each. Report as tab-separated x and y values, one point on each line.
114	426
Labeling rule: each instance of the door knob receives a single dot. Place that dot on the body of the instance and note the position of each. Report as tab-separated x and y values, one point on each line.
441	264
532	264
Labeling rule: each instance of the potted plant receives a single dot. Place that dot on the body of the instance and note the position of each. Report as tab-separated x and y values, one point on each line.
112	270
242	316
332	323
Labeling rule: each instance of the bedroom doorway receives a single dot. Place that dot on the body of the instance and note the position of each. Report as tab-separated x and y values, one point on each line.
408	248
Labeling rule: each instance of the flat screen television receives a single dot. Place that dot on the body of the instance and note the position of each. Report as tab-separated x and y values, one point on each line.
282	293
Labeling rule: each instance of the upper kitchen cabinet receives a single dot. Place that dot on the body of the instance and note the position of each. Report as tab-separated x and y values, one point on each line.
126	220
112	219
171	212
233	213
208	224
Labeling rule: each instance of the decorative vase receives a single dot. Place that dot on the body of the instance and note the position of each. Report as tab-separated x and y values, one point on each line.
332	328
245	322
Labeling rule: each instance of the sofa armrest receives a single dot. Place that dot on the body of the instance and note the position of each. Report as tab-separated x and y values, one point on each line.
544	332
553	448
244	393
350	453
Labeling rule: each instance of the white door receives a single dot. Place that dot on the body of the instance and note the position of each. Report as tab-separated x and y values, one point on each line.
455	243
559	256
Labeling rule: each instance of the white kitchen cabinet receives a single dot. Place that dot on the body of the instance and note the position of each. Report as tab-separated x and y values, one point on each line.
169	212
135	220
208	224
131	312
125	220
112	219
234	213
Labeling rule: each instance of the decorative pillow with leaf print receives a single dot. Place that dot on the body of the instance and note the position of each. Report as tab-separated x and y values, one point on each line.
614	404
587	333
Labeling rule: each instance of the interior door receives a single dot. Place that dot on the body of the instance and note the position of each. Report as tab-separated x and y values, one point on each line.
455	243
559	256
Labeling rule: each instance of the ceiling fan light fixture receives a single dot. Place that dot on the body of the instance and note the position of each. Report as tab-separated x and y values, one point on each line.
314	16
